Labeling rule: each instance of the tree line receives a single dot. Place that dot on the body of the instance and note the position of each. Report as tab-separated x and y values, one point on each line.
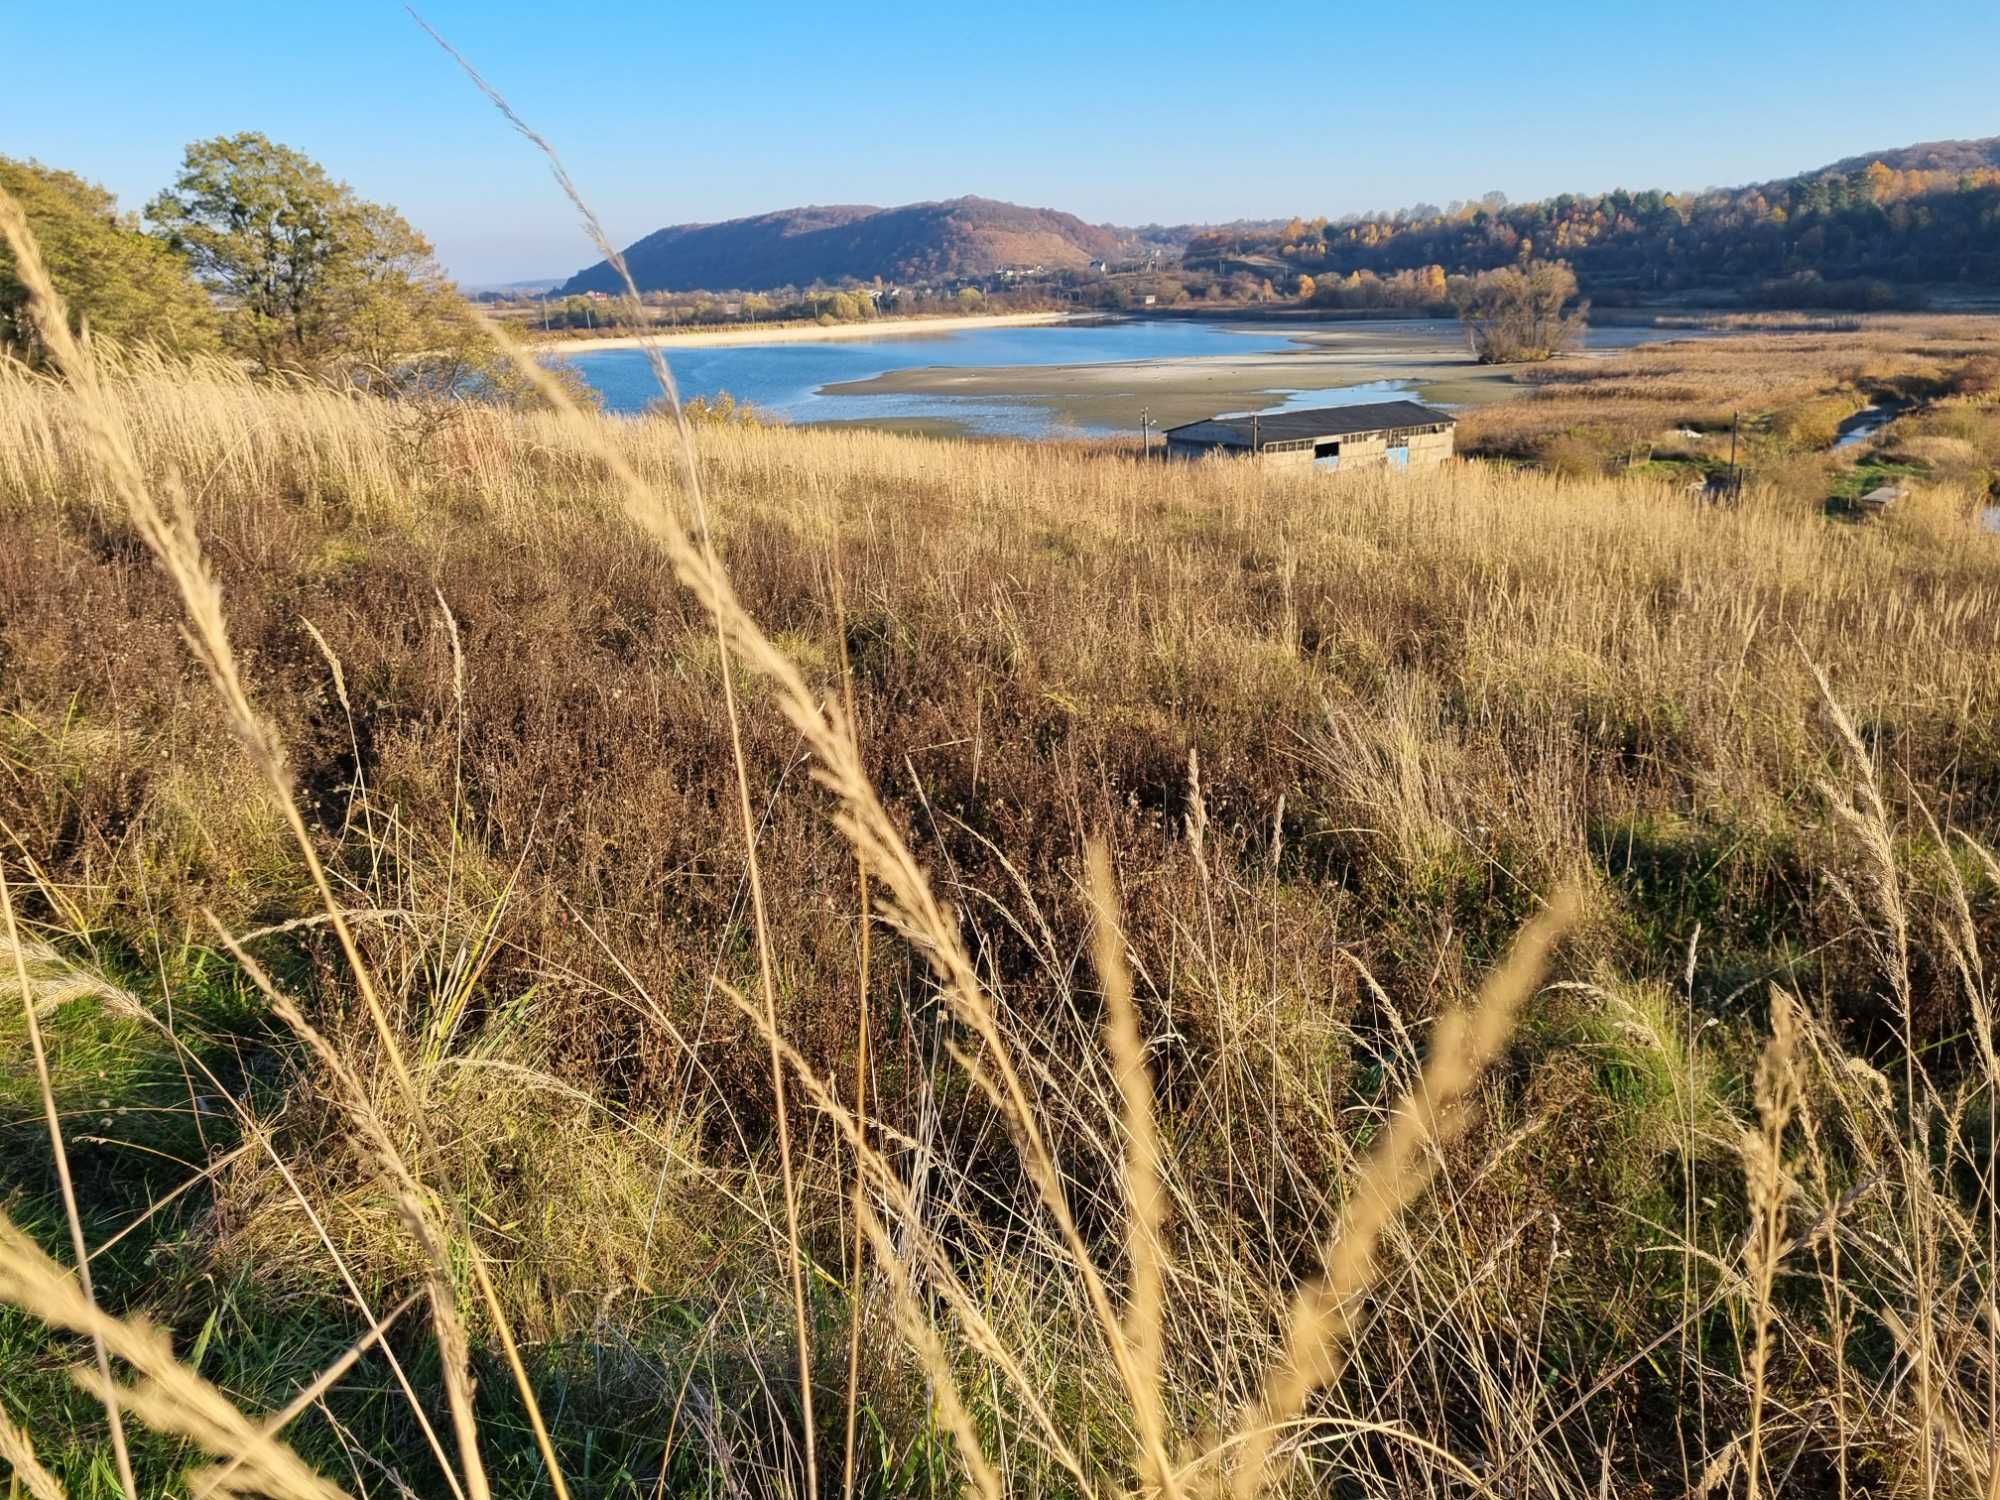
1856	237
819	304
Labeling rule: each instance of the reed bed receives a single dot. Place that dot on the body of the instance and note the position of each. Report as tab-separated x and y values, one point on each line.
1780	393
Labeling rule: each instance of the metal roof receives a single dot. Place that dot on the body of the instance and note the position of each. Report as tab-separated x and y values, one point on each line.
1316	423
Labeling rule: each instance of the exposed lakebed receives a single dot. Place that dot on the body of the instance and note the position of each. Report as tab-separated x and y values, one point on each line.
1079	379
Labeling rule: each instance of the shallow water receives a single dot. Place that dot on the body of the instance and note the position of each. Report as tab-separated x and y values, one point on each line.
1864	424
790	380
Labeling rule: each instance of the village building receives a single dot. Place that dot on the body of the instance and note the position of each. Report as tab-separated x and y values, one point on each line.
1399	433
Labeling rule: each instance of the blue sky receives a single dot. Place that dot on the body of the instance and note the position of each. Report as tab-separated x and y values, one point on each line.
1125	113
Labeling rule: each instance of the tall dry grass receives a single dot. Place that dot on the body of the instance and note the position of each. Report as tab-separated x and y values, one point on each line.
1776	397
1240	1201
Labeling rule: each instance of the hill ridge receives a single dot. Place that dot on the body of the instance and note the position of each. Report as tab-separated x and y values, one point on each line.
974	237
966	236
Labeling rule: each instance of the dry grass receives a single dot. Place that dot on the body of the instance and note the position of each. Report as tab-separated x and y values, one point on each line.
1291	1224
1789	389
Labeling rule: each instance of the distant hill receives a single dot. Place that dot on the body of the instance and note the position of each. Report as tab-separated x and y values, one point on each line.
798	246
1929	156
1857	228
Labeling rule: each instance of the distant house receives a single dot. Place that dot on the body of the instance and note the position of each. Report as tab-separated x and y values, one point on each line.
1149	300
1400	433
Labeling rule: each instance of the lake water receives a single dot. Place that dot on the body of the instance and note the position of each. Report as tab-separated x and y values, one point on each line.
791	381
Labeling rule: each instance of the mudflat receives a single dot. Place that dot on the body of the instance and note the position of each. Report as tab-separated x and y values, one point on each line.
1428	356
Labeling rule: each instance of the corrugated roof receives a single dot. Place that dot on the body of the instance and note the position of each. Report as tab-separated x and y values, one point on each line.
1317	422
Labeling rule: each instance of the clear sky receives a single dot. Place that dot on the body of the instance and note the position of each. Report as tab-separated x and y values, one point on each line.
1123	113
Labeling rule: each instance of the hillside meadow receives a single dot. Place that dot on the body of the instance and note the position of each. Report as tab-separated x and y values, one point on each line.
1525	1027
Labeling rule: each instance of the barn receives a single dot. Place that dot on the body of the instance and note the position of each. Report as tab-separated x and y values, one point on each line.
1402	433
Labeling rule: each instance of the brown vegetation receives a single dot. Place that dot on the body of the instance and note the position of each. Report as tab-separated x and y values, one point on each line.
1521	314
1340	739
1787	390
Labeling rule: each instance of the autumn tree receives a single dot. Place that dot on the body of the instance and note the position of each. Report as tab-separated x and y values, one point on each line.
118	282
1521	313
318	281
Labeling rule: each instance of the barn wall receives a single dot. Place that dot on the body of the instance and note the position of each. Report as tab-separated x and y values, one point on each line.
1362	453
1429	449
1287	458
1359	451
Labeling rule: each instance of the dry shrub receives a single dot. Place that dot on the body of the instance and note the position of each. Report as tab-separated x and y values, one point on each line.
1979	376
1583	454
1809	426
1799	480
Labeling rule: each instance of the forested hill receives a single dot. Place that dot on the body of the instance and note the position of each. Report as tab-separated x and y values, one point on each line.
964	237
1858	230
1926	156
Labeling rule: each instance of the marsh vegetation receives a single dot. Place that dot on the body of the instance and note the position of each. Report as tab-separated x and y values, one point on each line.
558	954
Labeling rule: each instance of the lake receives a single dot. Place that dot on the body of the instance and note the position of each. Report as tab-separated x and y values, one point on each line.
1015	381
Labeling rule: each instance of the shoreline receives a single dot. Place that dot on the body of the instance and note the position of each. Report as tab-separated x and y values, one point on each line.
795	333
1424	360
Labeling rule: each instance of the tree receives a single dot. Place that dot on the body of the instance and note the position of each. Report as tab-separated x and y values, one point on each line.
1521	312
119	282
317	280
1307	286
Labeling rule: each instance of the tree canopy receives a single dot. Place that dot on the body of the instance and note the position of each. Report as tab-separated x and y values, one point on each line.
1521	312
1841	236
314	279
119	282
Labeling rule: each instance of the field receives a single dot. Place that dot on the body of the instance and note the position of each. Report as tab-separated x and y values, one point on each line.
1528	1030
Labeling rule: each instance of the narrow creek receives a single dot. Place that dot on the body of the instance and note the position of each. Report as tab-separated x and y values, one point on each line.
1865	423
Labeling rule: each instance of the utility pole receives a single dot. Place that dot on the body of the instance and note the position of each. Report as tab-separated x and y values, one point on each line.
1146	431
1735	474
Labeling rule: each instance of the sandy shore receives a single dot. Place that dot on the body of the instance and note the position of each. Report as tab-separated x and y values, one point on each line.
807	333
1431	359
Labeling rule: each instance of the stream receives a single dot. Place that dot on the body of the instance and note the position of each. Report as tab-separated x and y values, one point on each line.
1865	423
